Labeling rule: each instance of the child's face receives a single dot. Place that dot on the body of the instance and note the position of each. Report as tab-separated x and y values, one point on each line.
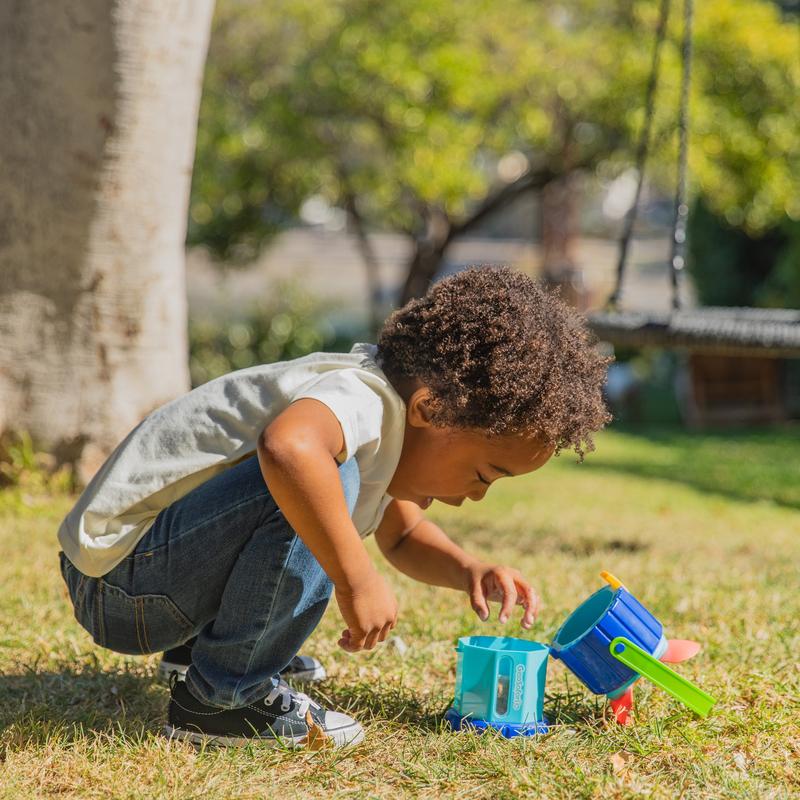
451	465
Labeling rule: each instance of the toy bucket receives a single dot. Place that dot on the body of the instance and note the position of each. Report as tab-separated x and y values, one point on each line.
500	680
583	641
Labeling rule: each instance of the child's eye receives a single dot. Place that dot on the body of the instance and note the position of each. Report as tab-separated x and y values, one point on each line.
482	479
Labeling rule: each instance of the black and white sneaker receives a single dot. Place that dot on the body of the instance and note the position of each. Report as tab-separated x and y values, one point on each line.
301	669
282	718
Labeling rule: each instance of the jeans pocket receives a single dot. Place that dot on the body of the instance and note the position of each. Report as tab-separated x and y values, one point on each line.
137	624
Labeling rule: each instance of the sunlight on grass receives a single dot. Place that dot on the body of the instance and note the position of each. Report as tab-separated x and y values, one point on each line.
703	529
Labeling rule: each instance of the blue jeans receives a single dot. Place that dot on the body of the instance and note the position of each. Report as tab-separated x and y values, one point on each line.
221	563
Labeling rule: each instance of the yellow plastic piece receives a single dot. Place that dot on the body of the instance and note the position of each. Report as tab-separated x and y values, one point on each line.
614	583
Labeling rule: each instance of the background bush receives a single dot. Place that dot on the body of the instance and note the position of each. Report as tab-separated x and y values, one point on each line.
293	325
732	268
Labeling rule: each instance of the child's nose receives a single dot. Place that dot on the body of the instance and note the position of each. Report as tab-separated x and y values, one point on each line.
478	494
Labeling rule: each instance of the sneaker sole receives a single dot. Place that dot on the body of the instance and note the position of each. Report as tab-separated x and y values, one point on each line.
342	737
165	670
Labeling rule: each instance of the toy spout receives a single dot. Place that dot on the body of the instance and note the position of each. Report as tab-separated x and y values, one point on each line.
621	706
680	650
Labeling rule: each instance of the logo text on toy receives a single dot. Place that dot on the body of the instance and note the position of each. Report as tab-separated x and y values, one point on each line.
519	685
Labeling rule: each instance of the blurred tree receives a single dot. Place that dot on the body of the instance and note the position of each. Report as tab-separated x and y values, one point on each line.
96	145
425	116
289	324
733	268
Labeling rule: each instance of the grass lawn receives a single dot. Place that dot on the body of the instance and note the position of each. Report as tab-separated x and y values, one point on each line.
704	529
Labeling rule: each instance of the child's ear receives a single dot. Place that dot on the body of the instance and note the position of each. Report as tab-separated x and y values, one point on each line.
420	408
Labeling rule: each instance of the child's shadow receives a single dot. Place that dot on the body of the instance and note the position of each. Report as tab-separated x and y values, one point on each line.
573	709
35	706
383	703
367	702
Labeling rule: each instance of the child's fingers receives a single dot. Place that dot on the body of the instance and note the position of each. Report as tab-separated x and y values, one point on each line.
509	595
530	601
478	601
387	628
372	639
350	642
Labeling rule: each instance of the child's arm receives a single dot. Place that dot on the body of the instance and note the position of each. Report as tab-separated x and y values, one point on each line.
422	550
297	453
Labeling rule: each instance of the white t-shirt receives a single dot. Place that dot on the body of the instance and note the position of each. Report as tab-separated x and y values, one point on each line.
213	427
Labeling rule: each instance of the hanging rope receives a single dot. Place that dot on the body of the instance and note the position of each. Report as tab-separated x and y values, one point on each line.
641	152
678	254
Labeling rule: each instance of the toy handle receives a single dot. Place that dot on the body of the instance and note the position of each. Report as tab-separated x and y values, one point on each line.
614	582
641	661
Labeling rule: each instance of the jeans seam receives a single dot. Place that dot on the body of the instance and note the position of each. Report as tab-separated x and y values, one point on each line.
136	624
269	616
80	590
144	629
138	613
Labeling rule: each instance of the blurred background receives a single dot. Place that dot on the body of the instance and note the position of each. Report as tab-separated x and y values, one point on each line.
358	152
192	187
348	153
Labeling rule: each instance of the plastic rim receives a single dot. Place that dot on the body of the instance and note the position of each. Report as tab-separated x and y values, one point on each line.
506	729
557	645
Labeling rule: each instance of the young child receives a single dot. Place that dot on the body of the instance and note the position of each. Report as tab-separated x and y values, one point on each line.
219	527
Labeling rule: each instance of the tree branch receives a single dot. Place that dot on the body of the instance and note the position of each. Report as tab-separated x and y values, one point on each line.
368	254
528	182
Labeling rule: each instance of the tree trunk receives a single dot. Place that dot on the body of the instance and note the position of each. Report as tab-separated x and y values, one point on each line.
559	232
427	255
371	263
440	230
97	138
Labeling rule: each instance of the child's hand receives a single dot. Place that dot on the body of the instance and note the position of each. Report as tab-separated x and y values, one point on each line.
503	585
370	610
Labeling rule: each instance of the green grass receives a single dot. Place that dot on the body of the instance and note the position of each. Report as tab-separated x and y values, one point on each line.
703	528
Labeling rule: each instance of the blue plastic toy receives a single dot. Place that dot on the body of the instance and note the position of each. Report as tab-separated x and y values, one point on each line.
582	642
608	642
611	640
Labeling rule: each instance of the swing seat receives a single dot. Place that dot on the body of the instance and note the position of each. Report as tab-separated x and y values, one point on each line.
761	332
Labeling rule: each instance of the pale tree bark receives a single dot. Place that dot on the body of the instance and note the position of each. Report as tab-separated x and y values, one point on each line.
99	104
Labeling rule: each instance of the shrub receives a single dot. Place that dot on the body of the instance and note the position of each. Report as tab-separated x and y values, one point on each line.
292	326
731	268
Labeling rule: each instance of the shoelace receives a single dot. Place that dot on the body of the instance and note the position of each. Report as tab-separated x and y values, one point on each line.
287	694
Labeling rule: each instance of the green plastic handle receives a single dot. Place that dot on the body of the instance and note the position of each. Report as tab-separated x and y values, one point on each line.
641	661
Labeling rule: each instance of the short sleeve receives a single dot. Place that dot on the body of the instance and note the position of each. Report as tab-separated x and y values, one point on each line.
358	408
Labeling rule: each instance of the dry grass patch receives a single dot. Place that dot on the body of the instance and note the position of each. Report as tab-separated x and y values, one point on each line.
79	722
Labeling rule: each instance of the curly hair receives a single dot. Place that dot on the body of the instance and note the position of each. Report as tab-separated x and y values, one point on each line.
501	354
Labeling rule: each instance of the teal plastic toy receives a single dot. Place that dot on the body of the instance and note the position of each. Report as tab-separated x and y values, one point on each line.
609	642
500	683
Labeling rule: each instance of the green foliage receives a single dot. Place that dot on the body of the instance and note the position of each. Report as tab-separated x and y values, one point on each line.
409	106
782	286
294	325
26	472
746	158
744	464
731	268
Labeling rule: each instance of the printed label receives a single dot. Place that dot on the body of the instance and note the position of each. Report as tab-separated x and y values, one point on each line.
519	686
